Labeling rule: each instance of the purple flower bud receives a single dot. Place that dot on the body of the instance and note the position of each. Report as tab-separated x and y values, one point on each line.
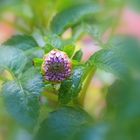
56	66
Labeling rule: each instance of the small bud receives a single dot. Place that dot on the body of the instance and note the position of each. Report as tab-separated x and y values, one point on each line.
56	66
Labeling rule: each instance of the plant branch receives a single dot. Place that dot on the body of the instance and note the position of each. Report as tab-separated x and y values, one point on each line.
87	81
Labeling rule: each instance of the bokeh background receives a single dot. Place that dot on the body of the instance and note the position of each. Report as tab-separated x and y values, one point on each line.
16	17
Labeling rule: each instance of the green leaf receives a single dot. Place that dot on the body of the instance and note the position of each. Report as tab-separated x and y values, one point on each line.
54	40
70	88
12	59
28	45
78	55
23	42
69	49
127	48
48	48
75	63
37	62
134	4
72	16
64	4
117	96
123	109
107	60
97	132
63	124
21	97
123	98
95	30
22	93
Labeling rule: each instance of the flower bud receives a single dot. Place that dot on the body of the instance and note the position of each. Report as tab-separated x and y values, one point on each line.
56	66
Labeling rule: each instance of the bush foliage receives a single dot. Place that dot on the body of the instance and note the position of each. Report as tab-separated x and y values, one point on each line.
62	115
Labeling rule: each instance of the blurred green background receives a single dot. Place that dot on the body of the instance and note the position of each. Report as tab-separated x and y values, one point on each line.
114	104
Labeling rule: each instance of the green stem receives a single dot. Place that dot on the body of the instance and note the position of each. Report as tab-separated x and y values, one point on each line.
86	85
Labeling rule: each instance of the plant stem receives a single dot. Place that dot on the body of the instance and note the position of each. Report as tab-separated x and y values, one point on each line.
86	85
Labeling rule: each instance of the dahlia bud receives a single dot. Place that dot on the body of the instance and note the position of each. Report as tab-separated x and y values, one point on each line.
56	66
